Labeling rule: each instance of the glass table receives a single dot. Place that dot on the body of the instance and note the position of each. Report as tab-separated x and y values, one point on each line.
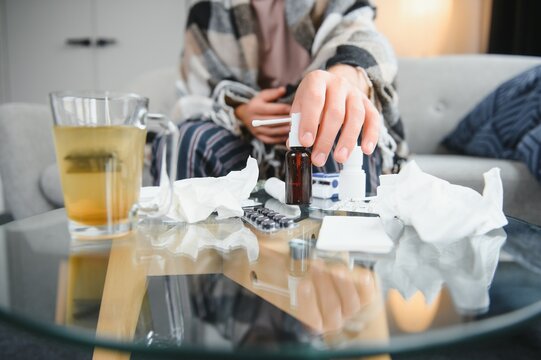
223	288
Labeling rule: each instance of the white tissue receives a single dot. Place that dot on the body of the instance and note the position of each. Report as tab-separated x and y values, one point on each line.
196	198
440	211
353	233
276	188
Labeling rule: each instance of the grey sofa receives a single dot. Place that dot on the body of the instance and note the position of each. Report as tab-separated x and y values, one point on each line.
434	95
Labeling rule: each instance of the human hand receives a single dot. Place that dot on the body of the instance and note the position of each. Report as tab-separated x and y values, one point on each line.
263	106
332	100
331	294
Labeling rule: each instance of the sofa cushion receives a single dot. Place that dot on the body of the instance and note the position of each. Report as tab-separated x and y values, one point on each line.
506	124
521	194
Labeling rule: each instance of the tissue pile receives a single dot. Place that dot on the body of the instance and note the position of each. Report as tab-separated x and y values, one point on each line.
195	199
437	210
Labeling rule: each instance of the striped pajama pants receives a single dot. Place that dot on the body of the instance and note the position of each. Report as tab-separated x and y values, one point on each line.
207	149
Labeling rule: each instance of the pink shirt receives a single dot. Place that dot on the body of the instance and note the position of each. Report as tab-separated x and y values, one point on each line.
282	59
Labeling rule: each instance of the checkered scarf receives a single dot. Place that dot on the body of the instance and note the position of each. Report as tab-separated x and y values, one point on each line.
219	66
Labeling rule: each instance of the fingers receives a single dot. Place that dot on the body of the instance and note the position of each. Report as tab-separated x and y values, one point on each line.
309	311
365	285
280	130
310	101
371	127
271	139
269	95
272	109
354	119
347	291
262	106
330	103
272	135
329	303
331	120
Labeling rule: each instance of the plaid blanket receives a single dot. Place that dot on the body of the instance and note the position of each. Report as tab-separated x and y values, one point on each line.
219	65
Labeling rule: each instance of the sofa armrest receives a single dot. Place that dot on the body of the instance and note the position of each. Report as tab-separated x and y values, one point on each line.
26	149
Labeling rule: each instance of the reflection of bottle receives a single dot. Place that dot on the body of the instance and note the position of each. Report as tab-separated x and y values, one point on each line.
299	255
298	167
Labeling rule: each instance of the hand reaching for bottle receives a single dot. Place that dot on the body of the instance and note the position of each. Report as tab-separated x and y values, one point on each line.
332	101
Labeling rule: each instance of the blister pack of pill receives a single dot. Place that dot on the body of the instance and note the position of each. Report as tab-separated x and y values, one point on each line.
267	220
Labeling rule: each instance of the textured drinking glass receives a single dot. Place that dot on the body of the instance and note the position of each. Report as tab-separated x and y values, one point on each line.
99	139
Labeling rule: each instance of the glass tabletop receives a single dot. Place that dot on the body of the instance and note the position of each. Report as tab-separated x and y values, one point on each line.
224	288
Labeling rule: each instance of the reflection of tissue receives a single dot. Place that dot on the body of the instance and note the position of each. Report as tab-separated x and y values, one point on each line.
290	211
222	236
438	210
467	267
196	198
353	233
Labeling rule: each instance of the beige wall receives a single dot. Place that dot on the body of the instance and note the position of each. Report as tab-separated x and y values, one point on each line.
434	27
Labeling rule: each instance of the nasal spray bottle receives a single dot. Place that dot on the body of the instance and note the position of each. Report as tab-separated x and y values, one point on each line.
352	179
298	164
298	167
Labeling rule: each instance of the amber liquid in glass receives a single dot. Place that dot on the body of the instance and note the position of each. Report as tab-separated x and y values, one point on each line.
101	171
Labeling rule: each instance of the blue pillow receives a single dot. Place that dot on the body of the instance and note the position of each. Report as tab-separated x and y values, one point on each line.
506	124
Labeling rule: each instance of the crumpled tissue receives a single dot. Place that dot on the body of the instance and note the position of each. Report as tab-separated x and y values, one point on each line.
438	210
196	198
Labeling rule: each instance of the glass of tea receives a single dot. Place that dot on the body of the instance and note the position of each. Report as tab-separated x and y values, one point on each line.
99	140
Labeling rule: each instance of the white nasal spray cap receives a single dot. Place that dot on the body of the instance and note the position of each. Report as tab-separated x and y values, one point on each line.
295	120
352	179
294	130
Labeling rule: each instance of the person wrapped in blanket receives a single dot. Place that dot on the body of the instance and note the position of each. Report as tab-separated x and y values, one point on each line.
260	59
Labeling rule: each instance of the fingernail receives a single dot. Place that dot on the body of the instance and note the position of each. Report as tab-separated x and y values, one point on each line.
319	160
307	139
370	147
343	153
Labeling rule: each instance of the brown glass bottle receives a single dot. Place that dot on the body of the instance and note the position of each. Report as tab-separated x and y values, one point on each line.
298	176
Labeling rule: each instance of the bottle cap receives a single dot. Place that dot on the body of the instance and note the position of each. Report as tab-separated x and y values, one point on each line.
294	130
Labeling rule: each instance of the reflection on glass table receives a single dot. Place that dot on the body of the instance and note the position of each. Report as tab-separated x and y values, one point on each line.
225	288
